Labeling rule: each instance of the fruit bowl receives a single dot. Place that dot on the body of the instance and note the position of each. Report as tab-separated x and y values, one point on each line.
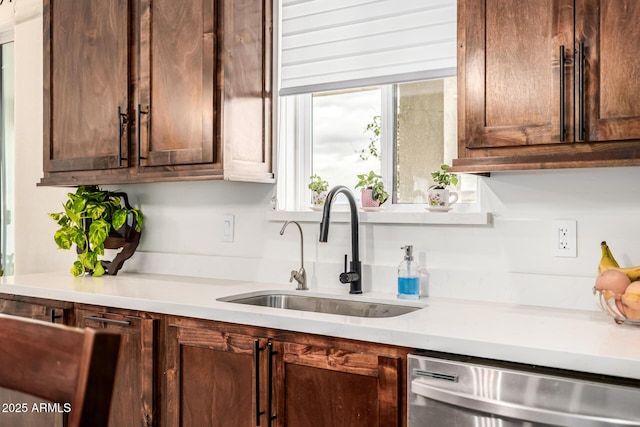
611	303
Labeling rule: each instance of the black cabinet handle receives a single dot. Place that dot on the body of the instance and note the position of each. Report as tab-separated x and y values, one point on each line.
562	62
54	316
140	112
122	121
256	366
581	130
105	320
270	354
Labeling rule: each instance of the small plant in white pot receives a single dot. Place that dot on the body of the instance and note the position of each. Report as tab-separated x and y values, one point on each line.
319	190
440	198
373	192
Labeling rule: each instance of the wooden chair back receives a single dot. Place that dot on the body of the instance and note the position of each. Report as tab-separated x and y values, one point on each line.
72	368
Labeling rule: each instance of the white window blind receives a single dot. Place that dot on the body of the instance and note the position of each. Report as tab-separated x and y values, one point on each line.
337	44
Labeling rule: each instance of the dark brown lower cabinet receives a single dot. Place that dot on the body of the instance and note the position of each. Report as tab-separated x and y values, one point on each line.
220	374
133	400
19	409
330	382
211	375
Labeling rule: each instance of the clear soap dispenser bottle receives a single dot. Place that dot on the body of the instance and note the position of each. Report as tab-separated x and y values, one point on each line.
408	276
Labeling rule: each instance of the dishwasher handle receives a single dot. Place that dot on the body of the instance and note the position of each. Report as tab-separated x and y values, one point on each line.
514	410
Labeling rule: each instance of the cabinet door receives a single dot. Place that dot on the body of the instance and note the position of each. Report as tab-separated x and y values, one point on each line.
205	89
245	128
610	33
510	76
336	386
178	82
86	71
38	310
212	376
132	402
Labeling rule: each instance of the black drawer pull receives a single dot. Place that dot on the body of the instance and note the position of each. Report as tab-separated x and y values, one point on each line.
270	352
122	122
256	367
55	316
140	112
581	131
111	321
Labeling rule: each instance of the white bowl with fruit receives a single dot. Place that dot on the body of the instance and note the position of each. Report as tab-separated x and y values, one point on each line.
618	289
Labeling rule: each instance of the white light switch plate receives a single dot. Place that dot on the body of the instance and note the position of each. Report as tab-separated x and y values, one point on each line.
226	233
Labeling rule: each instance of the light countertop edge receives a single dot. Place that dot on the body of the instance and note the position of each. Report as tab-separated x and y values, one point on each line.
585	341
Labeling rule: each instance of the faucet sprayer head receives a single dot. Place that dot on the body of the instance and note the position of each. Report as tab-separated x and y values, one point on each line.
324	229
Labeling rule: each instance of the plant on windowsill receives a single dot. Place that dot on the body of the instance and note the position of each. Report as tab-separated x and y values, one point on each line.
439	196
95	220
373	192
319	190
442	178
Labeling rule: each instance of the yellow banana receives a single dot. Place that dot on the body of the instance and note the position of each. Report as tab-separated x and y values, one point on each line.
608	262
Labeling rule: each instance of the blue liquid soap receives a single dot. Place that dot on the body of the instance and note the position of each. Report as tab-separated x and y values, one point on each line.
408	287
408	278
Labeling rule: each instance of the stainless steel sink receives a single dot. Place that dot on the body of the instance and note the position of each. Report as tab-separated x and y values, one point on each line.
323	304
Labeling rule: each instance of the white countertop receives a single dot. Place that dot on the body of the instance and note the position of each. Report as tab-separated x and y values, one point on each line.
587	341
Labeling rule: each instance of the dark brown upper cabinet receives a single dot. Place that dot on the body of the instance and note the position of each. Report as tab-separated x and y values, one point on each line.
547	84
146	91
86	85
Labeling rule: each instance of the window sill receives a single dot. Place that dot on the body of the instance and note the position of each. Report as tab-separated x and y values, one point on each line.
419	218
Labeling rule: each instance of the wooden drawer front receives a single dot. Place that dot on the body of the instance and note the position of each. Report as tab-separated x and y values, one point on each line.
34	311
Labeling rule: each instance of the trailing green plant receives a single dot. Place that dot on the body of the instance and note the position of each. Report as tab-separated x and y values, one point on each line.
90	214
442	178
317	184
374	139
374	182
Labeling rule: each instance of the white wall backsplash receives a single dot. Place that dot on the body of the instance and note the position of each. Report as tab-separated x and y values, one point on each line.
507	261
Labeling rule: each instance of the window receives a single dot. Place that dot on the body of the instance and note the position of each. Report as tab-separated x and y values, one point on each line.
343	137
401	132
7	196
366	86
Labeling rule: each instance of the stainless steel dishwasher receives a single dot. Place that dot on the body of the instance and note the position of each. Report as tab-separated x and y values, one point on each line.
457	393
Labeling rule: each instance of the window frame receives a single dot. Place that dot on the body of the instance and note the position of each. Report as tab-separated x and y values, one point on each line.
294	156
292	163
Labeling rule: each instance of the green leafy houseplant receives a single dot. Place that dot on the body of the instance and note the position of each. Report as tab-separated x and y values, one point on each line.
89	217
317	184
373	182
318	187
374	139
443	179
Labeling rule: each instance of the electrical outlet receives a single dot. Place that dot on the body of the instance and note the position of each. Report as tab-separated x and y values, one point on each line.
564	238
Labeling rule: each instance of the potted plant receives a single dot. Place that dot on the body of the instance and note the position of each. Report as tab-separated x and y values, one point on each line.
373	192
95	219
440	198
319	190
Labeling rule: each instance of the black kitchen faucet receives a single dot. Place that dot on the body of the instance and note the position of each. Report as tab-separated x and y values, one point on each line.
353	277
